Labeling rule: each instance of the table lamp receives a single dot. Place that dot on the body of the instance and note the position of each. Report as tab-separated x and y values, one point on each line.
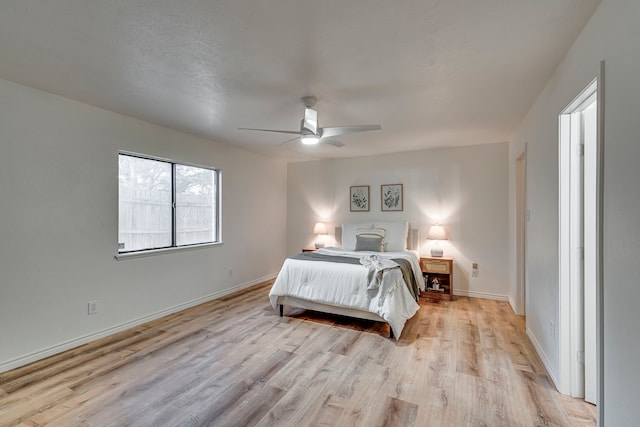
320	229
436	233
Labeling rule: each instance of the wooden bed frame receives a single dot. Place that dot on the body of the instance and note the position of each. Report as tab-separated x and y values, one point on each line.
412	243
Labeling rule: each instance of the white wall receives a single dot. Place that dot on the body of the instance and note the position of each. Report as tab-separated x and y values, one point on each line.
59	224
612	34
463	188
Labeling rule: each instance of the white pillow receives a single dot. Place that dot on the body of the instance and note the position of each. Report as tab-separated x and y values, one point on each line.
396	235
349	234
371	231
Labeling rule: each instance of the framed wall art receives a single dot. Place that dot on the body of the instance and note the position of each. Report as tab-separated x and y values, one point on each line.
359	198
391	197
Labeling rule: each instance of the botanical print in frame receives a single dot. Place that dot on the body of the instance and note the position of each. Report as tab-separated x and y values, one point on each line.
391	197
359	198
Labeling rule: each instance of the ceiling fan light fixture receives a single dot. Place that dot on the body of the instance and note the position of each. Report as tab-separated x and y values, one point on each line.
312	134
309	139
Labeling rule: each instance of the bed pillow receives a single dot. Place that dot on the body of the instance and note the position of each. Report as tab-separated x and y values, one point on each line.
371	231
349	234
370	239
396	235
369	242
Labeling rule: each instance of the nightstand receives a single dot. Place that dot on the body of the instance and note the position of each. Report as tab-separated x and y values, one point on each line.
440	268
308	249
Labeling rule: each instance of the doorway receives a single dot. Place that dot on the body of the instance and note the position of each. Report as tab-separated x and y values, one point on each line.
578	245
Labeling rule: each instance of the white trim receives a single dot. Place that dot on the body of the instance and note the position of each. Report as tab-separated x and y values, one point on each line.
570	326
521	232
67	345
564	250
543	357
513	305
600	251
152	252
476	294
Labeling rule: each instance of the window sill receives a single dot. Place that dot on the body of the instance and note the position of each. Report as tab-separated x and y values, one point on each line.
154	252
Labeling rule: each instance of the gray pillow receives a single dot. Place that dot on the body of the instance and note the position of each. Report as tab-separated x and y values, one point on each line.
367	242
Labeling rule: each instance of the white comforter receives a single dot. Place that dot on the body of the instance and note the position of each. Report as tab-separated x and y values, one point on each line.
345	285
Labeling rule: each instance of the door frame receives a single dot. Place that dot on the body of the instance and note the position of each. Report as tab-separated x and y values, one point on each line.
566	358
522	217
571	324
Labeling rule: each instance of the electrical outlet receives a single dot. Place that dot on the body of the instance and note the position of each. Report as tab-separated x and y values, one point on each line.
552	329
474	269
230	272
92	307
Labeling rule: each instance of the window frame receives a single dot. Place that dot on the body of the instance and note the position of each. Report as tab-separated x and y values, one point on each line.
174	247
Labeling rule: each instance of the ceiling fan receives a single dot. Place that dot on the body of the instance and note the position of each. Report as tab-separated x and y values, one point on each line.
310	133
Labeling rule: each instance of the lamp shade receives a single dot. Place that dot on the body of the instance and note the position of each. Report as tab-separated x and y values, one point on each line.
320	228
437	232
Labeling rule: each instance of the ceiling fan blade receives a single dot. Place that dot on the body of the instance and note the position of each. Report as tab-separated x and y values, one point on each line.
341	130
295	132
332	142
288	141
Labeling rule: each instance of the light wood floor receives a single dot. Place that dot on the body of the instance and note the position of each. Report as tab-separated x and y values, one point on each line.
235	362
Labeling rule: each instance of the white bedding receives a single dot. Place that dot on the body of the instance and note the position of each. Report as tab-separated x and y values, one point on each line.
345	285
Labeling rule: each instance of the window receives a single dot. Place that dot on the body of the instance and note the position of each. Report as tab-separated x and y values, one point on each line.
162	204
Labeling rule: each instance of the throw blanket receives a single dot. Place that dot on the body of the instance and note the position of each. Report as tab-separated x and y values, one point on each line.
409	277
403	264
376	266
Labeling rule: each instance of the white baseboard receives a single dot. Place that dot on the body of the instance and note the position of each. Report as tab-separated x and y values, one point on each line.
512	304
545	360
67	345
485	295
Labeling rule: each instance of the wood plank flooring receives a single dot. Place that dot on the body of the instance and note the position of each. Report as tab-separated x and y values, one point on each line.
235	362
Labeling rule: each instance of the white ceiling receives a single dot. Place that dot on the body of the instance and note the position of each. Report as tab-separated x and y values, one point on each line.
432	72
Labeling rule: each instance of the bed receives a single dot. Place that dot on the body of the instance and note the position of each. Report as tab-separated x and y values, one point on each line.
374	274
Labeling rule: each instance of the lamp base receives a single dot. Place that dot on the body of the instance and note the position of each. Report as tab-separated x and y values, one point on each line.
436	249
436	252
